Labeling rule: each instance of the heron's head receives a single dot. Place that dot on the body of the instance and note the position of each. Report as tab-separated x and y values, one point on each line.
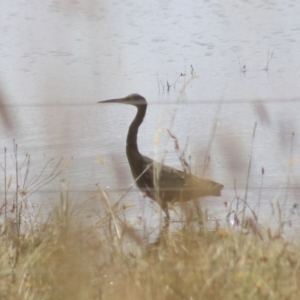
132	99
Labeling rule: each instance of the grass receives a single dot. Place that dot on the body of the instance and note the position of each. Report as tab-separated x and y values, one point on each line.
62	259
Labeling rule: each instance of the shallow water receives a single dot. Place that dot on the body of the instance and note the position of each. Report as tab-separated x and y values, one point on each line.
58	60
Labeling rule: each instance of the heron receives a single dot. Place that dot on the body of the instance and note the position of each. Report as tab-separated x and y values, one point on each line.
159	182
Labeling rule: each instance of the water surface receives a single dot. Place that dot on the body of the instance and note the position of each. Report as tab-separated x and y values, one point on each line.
230	64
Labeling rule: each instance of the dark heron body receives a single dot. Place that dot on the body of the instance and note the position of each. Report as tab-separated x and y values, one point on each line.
160	182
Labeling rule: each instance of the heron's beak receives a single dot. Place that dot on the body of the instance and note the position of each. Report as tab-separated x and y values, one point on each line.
120	100
132	99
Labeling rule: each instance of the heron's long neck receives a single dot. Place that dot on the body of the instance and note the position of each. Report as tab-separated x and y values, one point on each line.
134	127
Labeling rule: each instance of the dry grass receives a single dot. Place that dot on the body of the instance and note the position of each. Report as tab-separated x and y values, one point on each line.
218	265
59	260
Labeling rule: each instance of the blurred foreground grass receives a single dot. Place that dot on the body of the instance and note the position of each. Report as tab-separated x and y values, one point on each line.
62	260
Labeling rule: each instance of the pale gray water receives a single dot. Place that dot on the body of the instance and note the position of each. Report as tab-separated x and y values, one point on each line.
58	59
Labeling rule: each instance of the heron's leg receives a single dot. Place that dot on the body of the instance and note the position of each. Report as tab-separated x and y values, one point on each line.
167	218
161	239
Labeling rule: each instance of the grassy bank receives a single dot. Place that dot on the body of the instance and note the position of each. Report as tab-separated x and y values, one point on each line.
60	260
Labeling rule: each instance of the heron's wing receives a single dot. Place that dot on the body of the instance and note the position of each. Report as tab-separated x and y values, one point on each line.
167	176
187	186
175	185
170	180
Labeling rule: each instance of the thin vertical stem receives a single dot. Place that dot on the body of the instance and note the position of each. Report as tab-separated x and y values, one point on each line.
289	169
5	185
249	170
16	204
212	135
260	190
